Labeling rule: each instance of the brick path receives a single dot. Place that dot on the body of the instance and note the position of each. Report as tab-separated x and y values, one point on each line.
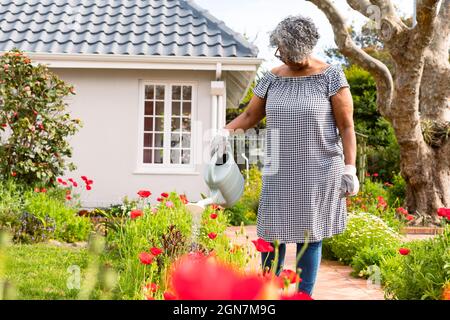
333	282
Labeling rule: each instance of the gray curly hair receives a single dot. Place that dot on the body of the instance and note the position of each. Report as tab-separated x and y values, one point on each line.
296	37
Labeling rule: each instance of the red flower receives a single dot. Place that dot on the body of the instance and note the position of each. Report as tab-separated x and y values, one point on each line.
375	175
144	193
169	296
84	178
88	187
404	251
212	235
164	195
36	190
14	173
4	125
262	245
75	184
136	213
290	275
297	296
213	215
402	211
198	277
152	287
156	251
146	258
444	212
409	217
68	197
89	181
43	190
159	199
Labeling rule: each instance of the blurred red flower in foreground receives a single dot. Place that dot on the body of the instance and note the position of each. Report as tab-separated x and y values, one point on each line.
146	258
444	212
404	251
290	276
262	245
169	296
199	277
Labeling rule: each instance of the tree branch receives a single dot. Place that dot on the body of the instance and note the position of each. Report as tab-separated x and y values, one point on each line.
426	18
383	78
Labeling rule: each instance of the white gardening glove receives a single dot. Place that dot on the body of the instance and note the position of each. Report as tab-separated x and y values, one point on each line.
349	182
219	142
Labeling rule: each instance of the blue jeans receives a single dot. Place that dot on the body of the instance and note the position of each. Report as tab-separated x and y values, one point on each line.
309	263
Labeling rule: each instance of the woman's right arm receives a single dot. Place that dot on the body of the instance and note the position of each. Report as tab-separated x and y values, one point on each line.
251	116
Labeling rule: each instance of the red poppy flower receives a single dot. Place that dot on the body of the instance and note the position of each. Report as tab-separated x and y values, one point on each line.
144	193
70	179
75	184
14	173
159	199
402	211
152	287
156	251
164	195
146	258
36	190
68	197
404	251
136	213
375	175
213	215
4	125
409	217
89	181
169	296
297	296
88	187
43	190
290	275
212	235
262	245
198	277
59	180
84	178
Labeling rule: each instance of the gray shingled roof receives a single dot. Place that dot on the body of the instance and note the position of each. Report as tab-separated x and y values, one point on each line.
128	27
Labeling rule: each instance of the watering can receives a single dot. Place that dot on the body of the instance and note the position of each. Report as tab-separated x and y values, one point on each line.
225	181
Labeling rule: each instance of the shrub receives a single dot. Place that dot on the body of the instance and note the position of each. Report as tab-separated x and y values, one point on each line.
10	204
68	225
32	229
32	109
363	230
246	209
423	273
368	257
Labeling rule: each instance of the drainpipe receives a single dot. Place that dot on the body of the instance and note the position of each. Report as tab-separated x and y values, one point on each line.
217	101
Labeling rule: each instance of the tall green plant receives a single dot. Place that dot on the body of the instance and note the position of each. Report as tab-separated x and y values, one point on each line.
34	120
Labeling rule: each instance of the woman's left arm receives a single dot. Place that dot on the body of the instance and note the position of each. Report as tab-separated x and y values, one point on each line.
342	104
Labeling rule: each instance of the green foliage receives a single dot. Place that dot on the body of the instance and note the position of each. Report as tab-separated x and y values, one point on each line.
397	192
68	225
423	273
368	260
363	230
32	110
246	209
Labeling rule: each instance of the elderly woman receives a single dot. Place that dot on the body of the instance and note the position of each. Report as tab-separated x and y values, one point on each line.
309	108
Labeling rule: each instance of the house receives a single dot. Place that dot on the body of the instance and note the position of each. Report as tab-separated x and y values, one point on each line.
152	78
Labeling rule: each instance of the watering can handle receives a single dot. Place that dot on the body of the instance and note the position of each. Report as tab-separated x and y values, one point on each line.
213	162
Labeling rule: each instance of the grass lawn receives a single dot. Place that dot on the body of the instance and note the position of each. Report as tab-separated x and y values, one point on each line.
41	271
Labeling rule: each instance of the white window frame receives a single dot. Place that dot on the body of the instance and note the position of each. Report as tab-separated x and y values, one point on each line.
166	167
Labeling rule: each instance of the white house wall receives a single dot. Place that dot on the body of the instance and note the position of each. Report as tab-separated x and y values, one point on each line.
105	149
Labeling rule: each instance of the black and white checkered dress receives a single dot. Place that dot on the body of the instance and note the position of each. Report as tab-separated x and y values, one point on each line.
303	160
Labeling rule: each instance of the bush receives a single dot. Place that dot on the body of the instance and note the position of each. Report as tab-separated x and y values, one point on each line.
32	109
363	230
423	273
246	209
367	258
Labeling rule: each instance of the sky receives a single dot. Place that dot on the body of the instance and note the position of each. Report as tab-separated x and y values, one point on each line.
256	18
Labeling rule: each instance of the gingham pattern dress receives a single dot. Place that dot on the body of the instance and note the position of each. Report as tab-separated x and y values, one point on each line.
303	158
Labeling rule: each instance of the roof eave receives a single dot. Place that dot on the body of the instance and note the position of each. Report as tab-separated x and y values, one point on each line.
114	61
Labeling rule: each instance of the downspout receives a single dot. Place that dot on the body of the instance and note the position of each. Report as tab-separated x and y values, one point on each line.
217	101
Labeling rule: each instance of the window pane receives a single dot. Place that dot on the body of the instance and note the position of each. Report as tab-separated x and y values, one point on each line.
148	156
160	92
187	92
186	157
159	108
159	140
175	156
148	139
186	109
148	124
176	124
149	92
186	124
159	155
186	141
159	124
176	108
176	92
175	140
148	108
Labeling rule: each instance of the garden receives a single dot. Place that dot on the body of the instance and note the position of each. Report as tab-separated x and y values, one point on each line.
52	248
